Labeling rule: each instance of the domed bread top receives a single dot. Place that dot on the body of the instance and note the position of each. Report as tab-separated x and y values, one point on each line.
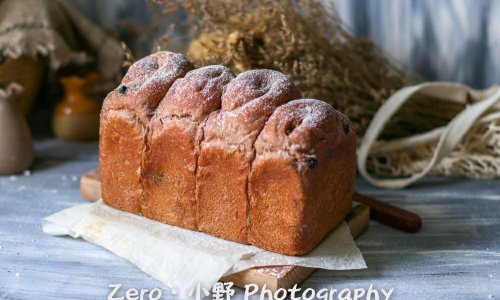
195	95
305	129
302	177
146	83
175	132
257	87
246	105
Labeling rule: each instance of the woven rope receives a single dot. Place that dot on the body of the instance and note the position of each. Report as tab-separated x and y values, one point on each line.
469	146
477	156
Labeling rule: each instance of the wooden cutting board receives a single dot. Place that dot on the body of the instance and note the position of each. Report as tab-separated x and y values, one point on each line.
273	277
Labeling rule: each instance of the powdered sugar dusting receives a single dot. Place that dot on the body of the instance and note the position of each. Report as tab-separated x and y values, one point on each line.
278	272
156	65
312	113
247	103
197	94
250	86
304	129
146	83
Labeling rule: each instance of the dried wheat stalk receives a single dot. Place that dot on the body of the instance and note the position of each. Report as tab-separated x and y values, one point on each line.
310	44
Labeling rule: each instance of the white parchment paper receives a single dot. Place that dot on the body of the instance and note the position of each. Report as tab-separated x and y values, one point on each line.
183	259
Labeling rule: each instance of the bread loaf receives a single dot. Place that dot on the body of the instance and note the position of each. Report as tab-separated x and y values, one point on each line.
227	150
302	178
238	158
123	126
173	145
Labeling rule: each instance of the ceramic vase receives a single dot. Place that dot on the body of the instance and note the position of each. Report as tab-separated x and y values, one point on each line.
76	117
16	143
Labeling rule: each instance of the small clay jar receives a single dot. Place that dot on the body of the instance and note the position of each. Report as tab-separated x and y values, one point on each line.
16	144
76	117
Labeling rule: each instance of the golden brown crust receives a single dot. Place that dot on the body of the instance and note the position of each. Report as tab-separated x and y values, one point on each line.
196	95
247	103
276	207
123	126
227	150
120	153
173	145
146	83
235	158
222	206
302	178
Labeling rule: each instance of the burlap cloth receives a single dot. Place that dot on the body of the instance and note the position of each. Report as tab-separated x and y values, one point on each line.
51	28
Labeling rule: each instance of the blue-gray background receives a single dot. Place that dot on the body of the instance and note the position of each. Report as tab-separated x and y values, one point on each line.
454	40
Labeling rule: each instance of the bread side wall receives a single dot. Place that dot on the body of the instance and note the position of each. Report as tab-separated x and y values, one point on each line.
227	150
121	146
125	118
302	179
174	138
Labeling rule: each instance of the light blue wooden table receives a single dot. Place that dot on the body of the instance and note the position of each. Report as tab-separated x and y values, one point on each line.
456	255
